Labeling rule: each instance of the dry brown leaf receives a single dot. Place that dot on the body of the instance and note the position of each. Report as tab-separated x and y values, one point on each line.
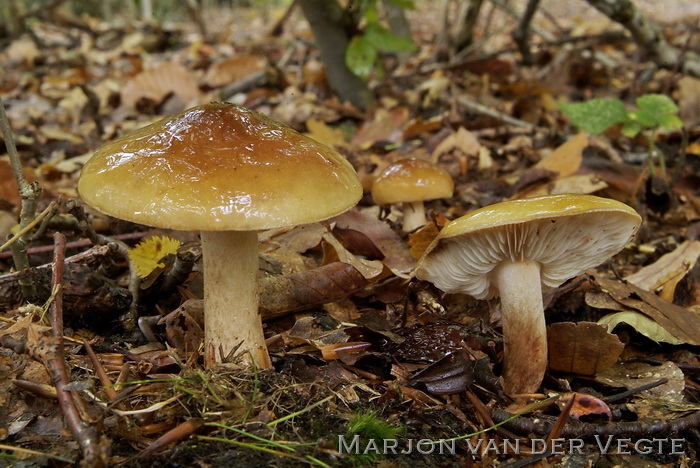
8	186
454	373
26	323
347	352
280	295
694	148
157	83
682	323
584	348
53	133
22	50
299	239
333	251
421	239
234	69
387	127
689	100
485	159
667	271
462	140
435	87
323	133
579	183
601	300
418	125
566	159
396	254
182	329
308	330
636	374
358	243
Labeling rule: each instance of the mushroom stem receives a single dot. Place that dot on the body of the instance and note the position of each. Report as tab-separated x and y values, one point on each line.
231	315
413	215
524	329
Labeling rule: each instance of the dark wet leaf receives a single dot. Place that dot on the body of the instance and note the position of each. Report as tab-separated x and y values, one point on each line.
451	374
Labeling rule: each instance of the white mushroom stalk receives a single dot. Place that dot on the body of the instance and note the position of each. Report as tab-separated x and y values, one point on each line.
524	328
232	320
413	215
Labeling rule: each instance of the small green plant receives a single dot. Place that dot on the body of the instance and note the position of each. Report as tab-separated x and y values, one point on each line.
362	54
653	111
368	426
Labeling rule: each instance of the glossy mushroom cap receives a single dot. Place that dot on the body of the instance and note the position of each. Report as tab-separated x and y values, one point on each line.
564	234
411	180
218	167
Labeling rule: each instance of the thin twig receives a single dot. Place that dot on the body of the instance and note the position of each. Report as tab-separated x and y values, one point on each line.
487	111
29	193
93	448
82	243
29	226
577	430
520	34
100	372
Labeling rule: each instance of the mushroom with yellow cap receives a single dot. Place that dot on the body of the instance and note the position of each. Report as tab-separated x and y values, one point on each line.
227	172
516	248
411	182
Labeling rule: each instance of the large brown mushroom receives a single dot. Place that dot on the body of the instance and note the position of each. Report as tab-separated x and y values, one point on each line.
515	249
227	172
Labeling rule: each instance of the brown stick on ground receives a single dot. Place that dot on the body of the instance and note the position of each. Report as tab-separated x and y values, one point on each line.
94	447
648	37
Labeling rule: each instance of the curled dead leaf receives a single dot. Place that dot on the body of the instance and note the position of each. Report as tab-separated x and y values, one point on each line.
451	374
667	271
682	323
283	294
157	83
234	69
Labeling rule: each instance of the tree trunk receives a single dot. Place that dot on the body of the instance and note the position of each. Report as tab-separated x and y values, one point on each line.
466	31
326	20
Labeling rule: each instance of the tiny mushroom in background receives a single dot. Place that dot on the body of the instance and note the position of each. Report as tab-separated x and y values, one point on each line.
226	172
412	182
515	249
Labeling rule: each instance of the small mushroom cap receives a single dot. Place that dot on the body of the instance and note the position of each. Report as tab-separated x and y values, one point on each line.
218	167
566	234
411	180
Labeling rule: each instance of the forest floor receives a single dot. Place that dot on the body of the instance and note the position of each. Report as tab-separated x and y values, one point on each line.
395	359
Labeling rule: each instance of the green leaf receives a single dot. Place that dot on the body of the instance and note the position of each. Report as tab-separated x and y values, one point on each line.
656	110
657	104
644	118
631	129
670	122
370	13
597	115
360	56
383	39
